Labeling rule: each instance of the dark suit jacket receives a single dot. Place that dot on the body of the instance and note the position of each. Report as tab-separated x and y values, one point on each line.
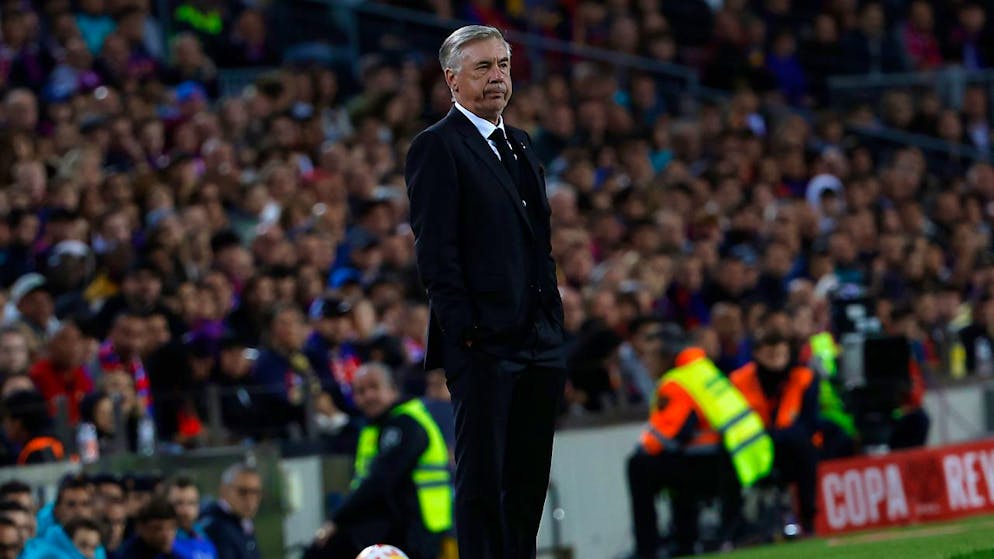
484	259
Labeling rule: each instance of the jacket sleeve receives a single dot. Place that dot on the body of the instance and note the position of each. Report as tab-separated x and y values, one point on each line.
402	442
434	192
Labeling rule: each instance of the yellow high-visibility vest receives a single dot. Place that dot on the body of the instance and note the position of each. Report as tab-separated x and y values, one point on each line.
431	475
726	409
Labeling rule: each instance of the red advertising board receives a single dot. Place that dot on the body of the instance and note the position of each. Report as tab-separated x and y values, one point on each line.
923	485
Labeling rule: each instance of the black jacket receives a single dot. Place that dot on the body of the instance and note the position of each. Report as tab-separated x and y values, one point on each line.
225	532
135	548
484	253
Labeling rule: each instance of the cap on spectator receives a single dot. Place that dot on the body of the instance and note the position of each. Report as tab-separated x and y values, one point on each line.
26	284
329	307
70	247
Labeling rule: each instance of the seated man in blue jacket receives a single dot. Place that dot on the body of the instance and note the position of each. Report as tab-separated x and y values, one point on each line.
155	533
183	495
228	522
78	539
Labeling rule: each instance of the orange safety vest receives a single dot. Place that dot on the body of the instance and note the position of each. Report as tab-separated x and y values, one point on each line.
671	409
790	401
39	444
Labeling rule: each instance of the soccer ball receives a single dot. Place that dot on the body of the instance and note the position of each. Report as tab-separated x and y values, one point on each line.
380	551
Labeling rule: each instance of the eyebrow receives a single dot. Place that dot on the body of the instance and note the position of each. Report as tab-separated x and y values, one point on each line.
487	61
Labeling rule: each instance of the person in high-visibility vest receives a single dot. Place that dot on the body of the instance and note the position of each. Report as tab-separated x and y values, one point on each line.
837	426
402	491
785	396
702	440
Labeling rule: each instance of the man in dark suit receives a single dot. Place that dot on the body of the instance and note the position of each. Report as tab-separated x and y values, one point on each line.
481	221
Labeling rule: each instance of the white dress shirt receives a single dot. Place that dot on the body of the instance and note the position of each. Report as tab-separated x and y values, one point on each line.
486	128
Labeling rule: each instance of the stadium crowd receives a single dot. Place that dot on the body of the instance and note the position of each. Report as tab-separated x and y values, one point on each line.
143	516
160	238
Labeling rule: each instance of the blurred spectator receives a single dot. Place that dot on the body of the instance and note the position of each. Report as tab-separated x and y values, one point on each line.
121	353
94	23
19	492
969	42
31	306
785	65
870	48
114	519
79	538
248	43
11	543
191	540
28	430
155	532
241	402
15	359
284	371
61	374
920	44
593	369
22	518
639	358
331	354
228	521
189	63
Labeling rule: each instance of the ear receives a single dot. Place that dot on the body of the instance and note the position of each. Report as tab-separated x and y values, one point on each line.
450	79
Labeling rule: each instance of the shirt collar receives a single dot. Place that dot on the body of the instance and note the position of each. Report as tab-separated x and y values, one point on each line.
484	126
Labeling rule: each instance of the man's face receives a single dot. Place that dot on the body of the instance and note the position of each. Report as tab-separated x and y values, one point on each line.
158	534
66	347
774	357
244	495
10	542
128	336
37	307
75	503
13	353
110	493
86	542
116	517
26	524
186	501
373	394
482	83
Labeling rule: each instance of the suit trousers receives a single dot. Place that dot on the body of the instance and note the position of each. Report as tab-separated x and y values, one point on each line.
689	478
505	414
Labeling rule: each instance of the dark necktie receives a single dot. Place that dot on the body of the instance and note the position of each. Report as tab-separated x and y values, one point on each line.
506	155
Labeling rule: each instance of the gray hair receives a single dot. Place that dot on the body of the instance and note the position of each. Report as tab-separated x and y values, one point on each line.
450	55
381	368
233	471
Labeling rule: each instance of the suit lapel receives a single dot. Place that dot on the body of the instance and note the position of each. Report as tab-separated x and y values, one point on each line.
481	149
521	148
